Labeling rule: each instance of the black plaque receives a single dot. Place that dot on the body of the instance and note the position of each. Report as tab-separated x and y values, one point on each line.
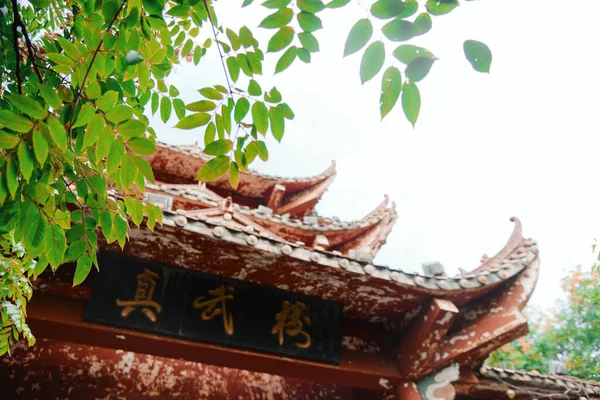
162	299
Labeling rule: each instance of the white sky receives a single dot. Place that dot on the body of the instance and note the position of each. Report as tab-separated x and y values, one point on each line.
521	141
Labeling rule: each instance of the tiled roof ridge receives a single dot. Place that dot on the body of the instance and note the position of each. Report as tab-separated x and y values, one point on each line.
197	152
511	267
311	223
536	378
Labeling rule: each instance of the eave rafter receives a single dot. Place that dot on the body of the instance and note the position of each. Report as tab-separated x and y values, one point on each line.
484	326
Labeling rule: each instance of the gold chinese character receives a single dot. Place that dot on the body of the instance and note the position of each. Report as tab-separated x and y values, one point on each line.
289	322
213	308
146	283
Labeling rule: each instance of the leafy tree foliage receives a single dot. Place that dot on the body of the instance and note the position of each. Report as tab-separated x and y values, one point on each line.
571	333
79	77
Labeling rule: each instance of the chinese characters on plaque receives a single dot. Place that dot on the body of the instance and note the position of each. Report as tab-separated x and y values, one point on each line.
135	294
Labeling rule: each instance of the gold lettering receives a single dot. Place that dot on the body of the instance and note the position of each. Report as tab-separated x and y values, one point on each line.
146	284
289	322
217	306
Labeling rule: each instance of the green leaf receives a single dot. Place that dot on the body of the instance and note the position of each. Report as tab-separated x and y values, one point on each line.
418	68
107	101
165	109
274	4
214	169
106	223
40	145
260	117
408	52
422	24
286	111
246	37
55	245
141	146
411	102
119	113
263	153
372	61
193	121
12	180
143	166
234	68
384	9
278	19
233	39
309	22
286	59
311	6
202	105
26	160
128	171
281	39
28	106
131	128
15	121
9	140
122	227
358	37
219	147
84	264
209	133
241	109
441	7
211	93
50	96
244	64
115	156
391	85
60	60
337	3
399	30
277	121
273	96
85	114
135	210
234	175
254	88
179	107
478	54
57	133
309	42
92	132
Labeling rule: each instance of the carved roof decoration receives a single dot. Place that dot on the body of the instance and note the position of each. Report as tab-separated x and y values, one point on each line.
537	381
180	164
366	235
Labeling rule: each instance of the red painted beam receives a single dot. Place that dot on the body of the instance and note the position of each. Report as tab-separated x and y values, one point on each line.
419	344
61	319
53	369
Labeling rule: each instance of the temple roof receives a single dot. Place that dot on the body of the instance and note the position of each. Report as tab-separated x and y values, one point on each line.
531	384
225	245
297	196
363	237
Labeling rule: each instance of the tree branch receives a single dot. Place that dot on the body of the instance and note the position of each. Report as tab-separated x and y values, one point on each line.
15	31
18	22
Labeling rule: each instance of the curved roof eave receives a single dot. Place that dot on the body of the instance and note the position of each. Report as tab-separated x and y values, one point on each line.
184	161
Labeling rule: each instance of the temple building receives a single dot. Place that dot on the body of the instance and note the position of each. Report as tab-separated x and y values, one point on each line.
250	294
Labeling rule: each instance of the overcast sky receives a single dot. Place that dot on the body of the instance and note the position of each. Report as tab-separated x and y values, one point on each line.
521	141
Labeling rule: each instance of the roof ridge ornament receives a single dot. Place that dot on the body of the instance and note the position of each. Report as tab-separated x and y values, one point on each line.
514	241
231	218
